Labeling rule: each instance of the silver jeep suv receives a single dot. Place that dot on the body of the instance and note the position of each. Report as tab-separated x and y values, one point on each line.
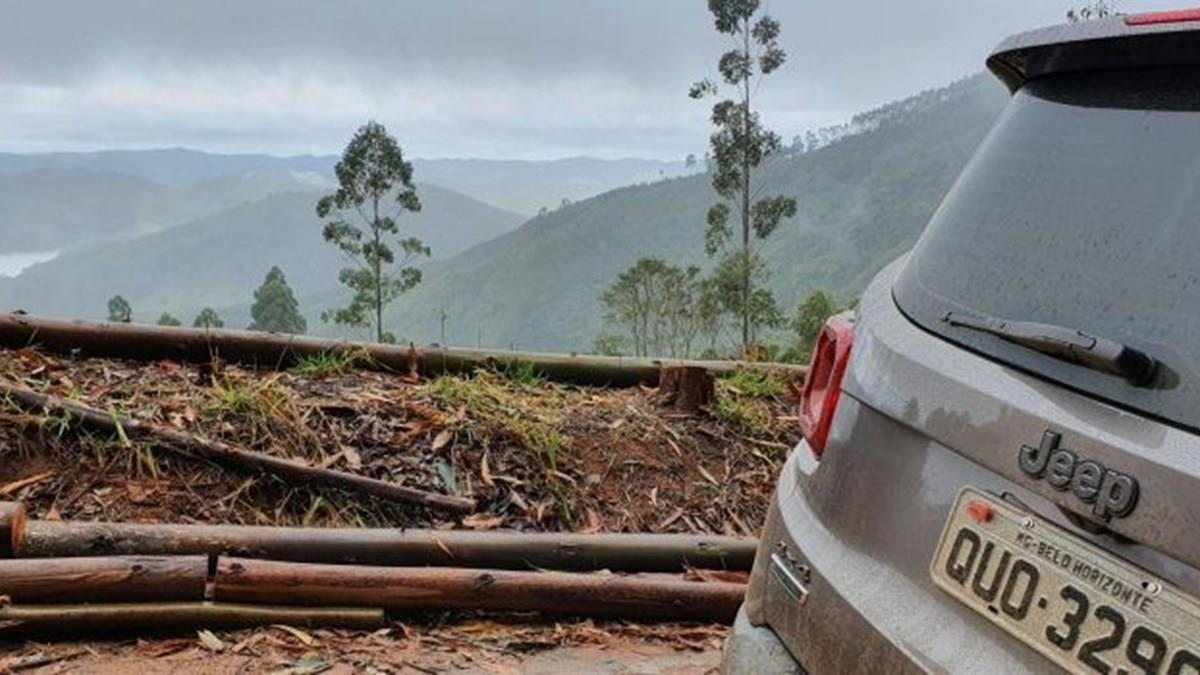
1000	469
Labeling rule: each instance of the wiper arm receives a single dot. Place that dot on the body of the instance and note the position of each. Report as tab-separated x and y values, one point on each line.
1067	344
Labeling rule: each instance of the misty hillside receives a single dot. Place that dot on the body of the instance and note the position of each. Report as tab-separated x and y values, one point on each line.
523	186
219	260
46	209
52	209
863	200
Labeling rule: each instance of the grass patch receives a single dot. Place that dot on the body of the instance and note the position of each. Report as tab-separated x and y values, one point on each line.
757	383
522	373
333	362
741	412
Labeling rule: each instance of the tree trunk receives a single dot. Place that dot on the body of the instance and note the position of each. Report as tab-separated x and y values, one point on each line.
430	588
686	388
618	552
271	350
12	528
124	579
191	445
174	616
746	167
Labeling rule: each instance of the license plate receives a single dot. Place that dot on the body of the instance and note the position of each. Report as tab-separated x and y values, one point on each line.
1082	608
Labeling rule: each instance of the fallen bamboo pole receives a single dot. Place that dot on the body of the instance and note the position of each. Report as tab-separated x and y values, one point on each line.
22	621
225	454
123	579
406	589
379	546
12	528
275	350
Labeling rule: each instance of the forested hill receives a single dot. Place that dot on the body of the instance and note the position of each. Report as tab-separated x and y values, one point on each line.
220	259
863	200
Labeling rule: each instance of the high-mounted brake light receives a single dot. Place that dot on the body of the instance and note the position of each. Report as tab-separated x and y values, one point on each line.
823	386
1170	16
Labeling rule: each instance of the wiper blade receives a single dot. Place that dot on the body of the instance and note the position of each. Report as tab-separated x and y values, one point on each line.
1067	344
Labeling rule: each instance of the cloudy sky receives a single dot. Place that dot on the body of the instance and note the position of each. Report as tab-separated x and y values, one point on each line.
457	78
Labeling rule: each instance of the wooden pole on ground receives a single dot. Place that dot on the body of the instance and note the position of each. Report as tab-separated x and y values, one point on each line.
115	579
407	589
274	350
35	620
382	546
218	452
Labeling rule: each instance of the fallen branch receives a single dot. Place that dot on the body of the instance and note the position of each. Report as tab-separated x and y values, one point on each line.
17	620
405	589
274	350
506	550
125	579
225	454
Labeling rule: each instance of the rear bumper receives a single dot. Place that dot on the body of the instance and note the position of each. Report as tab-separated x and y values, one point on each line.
855	533
753	649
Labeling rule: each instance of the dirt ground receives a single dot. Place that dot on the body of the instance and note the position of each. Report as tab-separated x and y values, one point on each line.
480	646
535	455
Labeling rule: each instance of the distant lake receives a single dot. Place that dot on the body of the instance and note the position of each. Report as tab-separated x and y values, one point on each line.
12	264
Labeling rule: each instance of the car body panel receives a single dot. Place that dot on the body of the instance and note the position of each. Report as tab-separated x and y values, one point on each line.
920	418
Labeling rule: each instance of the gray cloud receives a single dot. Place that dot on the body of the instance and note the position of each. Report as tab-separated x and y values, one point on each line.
509	78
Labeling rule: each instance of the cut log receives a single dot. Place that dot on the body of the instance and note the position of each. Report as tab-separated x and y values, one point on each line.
408	589
273	350
24	621
218	452
686	389
508	550
12	528
124	579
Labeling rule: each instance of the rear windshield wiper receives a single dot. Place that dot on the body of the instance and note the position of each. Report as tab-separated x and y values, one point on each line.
1067	344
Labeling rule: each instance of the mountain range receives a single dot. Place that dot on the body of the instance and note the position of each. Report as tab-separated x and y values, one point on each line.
174	230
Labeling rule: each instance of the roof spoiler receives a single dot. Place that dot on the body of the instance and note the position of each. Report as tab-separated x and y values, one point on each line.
1137	41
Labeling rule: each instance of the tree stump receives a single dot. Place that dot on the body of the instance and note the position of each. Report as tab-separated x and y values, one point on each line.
12	528
686	389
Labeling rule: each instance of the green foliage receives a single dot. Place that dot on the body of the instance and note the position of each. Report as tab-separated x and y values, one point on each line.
663	309
119	310
374	183
275	308
740	144
812	314
607	344
208	318
166	319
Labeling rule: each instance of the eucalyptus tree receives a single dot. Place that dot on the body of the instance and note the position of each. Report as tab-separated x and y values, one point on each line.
119	309
375	187
739	145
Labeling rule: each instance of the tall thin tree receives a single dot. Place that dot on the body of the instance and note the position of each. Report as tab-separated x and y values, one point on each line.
740	144
375	183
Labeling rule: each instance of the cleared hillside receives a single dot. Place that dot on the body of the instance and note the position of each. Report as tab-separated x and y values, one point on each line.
219	260
863	200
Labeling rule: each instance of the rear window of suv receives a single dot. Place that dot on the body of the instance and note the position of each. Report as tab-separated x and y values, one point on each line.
1081	209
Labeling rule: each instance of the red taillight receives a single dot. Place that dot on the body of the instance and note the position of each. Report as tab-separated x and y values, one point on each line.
1171	16
823	386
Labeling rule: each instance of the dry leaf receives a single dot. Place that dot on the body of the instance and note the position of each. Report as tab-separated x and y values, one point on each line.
24	482
442	439
485	473
482	521
210	642
300	635
708	476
